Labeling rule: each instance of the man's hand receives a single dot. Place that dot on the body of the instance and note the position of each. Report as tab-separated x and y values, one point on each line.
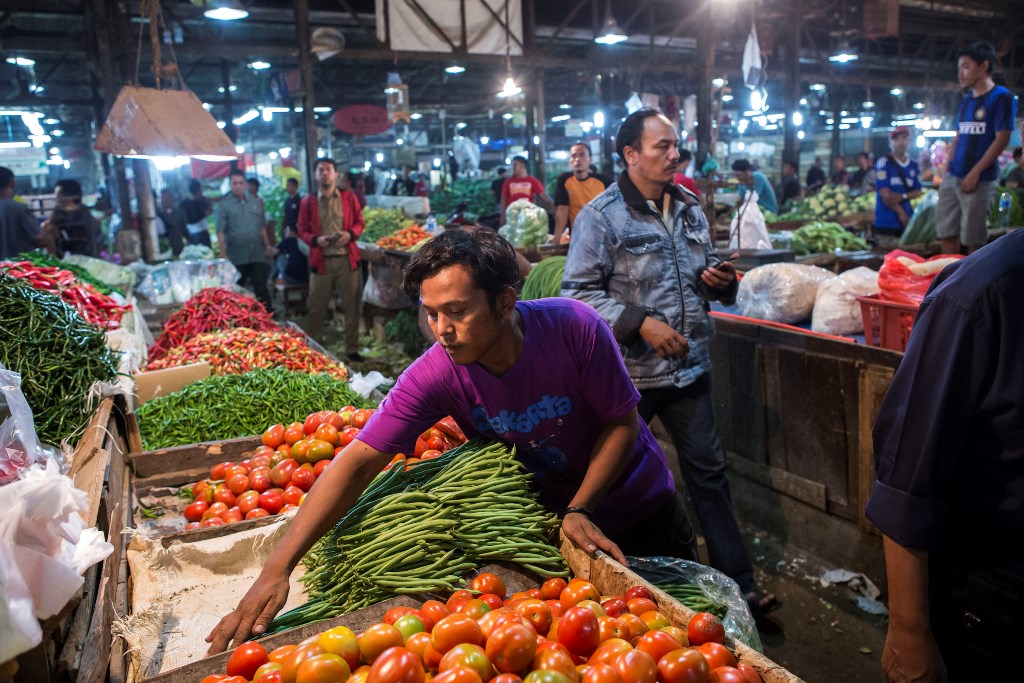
325	240
253	615
579	529
721	276
664	339
970	182
344	239
912	656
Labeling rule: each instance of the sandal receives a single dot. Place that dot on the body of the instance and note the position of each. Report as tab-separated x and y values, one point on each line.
761	603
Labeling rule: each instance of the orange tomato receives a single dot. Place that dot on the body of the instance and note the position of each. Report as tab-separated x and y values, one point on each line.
467	655
557	660
341	641
683	666
677	633
601	673
396	665
290	665
324	668
536	612
636	666
578	591
552	588
657	644
454	630
610	627
328	433
609	650
512	647
488	583
461	674
639	606
279	654
293	434
273	436
717	655
458	599
376	639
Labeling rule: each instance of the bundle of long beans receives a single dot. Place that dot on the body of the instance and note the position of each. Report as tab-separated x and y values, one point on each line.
419	531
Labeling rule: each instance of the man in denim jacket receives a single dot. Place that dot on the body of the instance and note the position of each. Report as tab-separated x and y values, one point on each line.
642	256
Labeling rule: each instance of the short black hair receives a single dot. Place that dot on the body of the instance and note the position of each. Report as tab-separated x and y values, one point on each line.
582	144
741	166
6	177
793	163
194	186
1018	152
325	160
291	180
520	159
979	51
70	188
632	130
237	171
489	258
684	155
254	181
865	155
502	170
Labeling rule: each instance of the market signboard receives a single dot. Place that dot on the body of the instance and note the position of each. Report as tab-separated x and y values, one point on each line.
24	161
362	119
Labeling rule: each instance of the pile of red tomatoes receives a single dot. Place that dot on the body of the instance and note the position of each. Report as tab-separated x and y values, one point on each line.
557	633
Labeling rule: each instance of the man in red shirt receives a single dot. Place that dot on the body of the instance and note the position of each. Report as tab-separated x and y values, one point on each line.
330	222
680	177
521	186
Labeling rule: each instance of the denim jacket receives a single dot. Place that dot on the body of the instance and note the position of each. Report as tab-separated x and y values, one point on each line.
628	264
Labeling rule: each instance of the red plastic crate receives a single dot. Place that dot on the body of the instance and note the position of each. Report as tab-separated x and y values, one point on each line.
886	323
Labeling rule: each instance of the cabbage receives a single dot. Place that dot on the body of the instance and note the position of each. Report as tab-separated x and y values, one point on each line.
526	224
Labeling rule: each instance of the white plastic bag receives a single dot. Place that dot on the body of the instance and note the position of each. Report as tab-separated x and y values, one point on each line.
836	309
383	287
365	384
780	292
748	229
19	446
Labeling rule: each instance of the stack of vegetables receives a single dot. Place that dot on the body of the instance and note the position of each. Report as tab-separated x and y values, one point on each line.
211	310
383	222
557	632
405	239
58	354
526	224
821	236
277	474
476	194
829	202
45	260
233	406
242	349
93	305
544	280
417	530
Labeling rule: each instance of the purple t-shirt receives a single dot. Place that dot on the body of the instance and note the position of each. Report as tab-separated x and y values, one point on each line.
567	383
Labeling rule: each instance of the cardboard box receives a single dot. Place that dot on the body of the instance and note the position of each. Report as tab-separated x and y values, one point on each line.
149	385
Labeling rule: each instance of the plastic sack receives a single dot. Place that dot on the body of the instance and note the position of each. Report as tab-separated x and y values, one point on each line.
365	384
668	573
748	229
780	292
109	273
905	277
19	446
923	223
383	287
836	309
527	224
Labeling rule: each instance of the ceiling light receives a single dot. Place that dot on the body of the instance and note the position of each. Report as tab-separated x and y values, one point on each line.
718	82
599	119
55	150
559	119
460	125
232	88
919	105
225	10
259	65
507	117
484	139
240	149
868	105
843	54
322	110
536	139
803	101
285	152
587	126
727	98
220	124
379	157
14	145
246	117
399	142
454	69
798	119
799	135
818	87
416	117
896	92
51	121
510	88
437	163
21	61
57	133
610	32
272	155
565	106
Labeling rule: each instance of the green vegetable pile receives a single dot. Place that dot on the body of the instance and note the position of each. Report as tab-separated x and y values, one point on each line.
110	274
383	222
545	280
404	330
476	193
274	196
57	353
233	406
43	259
694	597
829	202
527	224
195	252
821	236
420	531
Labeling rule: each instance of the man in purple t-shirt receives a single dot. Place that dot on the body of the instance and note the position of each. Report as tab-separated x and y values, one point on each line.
545	376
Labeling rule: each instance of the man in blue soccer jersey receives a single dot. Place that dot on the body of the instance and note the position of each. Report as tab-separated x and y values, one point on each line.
984	123
897	180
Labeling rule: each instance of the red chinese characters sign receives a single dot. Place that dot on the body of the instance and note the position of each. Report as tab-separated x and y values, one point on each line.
362	119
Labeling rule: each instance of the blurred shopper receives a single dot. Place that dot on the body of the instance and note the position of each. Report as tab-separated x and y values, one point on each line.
290	219
680	177
77	232
521	185
863	179
985	121
756	181
815	176
242	239
291	267
575	189
197	208
1014	177
790	190
19	230
840	176
404	185
898	180
175	223
497	185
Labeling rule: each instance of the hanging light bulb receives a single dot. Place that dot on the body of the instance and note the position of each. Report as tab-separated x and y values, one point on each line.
510	89
611	34
225	10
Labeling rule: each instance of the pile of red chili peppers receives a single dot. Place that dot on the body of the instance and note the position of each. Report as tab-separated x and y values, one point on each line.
232	352
211	310
94	306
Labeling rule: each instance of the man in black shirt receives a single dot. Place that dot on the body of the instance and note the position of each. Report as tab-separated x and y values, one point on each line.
497	185
949	499
291	206
815	176
404	186
790	183
197	208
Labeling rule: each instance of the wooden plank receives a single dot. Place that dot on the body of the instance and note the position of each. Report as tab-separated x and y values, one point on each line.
803	447
774	425
874	384
89	460
826	417
850	390
151	464
748	399
794	486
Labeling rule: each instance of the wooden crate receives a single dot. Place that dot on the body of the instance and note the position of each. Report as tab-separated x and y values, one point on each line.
609	577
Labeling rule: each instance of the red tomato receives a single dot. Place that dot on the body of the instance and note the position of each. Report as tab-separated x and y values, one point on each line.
536	612
462	674
246	658
655	620
333	418
292	495
256	514
361	417
396	613
636	666
233	470
218	470
346	414
640	606
348	434
189	526
552	589
282	473
434	611
457	599
453	630
488	583
685	665
233	515
436	443
639	592
421	448
304	479
273	437
578	591
250	500
556	607
198	489
376	639
609	650
512	647
211	521
268	673
238	484
579	631
726	674
601	673
259	482
319	468
470	656
430	454
635	624
556	660
506	678
492	600
610	627
215	678
749	672
705	628
657	644
397	665
312	422
194	511
292	435
271	501
615	607
328	433
279	654
475	608
215	510
417	644
717	655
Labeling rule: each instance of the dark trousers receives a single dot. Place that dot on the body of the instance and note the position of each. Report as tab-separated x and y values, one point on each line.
256	274
666	532
689	417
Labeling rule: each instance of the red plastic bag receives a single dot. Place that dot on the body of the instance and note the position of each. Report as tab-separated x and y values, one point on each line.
897	282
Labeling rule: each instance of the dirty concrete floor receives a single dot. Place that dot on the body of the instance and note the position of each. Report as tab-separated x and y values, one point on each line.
819	634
